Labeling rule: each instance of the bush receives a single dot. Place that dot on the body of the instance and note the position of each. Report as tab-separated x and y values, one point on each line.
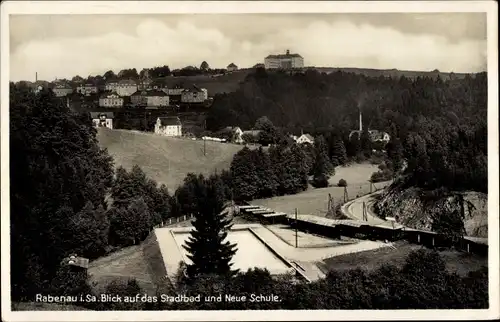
342	183
320	181
380	176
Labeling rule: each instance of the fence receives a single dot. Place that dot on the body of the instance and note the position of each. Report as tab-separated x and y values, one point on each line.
174	220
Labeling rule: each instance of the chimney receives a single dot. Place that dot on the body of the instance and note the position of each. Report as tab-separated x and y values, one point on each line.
288	52
36	76
360	122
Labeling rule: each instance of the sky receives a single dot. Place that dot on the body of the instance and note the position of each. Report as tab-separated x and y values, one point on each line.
62	46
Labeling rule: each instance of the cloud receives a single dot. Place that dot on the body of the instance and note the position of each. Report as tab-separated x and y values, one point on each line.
321	43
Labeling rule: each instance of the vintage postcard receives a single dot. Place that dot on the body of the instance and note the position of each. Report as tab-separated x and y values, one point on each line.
216	161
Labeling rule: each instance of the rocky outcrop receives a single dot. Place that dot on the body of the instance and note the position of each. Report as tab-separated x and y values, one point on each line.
415	210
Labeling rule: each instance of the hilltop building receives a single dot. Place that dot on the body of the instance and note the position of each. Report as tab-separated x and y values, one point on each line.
286	61
168	126
232	67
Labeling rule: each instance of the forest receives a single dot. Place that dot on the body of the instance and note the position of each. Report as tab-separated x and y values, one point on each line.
67	197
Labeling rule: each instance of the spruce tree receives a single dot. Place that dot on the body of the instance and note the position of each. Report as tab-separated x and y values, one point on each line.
322	165
209	251
339	154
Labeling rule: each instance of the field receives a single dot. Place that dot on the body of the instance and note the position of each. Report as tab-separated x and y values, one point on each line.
167	160
315	201
373	259
124	264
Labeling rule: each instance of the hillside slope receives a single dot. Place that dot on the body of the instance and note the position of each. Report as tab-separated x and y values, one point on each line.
166	160
415	212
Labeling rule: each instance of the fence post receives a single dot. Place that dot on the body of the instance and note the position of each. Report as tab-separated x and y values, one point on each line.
418	238
169	221
184	217
468	247
432	241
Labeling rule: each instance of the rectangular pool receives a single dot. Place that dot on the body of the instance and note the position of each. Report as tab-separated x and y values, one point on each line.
251	252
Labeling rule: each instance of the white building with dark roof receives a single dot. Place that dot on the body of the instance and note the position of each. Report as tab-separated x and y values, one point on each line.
286	61
126	87
102	119
111	99
168	126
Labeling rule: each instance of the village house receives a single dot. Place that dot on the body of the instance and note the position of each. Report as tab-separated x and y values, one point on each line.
168	126
305	138
62	89
102	119
194	95
150	99
87	89
144	84
111	86
379	136
232	67
111	99
232	134
126	87
287	61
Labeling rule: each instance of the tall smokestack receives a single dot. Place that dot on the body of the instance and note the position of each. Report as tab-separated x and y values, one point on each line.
36	76
360	122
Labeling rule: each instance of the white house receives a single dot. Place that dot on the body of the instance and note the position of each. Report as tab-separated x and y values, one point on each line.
168	126
126	87
110	100
234	133
305	138
286	61
102	119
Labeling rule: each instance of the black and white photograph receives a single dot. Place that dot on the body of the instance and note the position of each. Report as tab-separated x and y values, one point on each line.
206	160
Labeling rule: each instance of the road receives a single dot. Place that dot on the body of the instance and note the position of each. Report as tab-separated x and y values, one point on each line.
354	210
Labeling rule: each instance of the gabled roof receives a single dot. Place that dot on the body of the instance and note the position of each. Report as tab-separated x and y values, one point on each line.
96	115
169	121
307	136
231	65
108	94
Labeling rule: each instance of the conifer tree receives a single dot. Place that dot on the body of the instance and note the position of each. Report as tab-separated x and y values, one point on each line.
244	175
339	154
322	168
209	251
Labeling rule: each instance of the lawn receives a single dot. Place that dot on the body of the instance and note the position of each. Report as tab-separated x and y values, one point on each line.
125	264
315	201
167	160
370	260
